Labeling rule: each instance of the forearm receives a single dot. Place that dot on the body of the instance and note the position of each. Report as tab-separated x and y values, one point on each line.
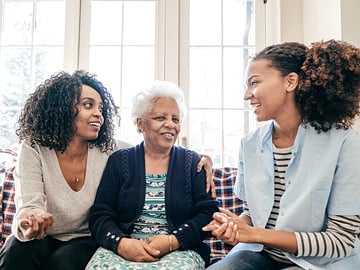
285	241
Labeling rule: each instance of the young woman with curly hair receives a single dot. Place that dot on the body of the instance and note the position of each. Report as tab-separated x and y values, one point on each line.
66	128
299	173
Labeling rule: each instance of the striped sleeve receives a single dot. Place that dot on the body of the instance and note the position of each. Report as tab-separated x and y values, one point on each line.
336	242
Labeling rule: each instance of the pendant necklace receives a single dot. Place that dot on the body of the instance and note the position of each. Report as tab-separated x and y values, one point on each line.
75	173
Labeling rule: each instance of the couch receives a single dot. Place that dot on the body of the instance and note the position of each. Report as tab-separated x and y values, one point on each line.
224	179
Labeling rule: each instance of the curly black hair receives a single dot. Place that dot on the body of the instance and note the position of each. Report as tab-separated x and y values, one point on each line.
47	117
329	89
328	93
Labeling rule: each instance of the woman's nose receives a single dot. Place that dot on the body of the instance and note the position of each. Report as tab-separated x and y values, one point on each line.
248	93
169	123
97	112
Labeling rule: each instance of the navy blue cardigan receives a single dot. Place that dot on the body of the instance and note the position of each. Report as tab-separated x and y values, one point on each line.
121	194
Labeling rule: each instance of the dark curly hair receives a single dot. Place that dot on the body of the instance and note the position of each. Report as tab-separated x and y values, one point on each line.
329	89
47	117
328	93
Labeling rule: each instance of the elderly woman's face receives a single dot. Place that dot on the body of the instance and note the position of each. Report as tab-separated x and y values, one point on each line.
161	124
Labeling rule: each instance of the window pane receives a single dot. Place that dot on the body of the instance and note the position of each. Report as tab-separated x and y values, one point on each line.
43	68
138	68
106	22
17	23
15	75
128	129
206	129
236	124
235	62
50	33
205	77
23	65
7	127
139	22
107	73
239	22
205	21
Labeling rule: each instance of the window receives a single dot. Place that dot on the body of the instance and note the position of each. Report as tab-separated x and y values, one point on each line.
127	43
31	48
214	57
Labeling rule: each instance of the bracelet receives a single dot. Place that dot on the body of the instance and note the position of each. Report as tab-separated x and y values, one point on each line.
170	243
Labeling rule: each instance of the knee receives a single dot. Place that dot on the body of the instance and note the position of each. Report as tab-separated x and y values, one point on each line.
21	255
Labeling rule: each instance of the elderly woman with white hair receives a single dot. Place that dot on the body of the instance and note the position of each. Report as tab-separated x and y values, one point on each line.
152	202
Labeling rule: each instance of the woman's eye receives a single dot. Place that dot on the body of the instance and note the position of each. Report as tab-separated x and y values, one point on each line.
253	84
88	105
176	120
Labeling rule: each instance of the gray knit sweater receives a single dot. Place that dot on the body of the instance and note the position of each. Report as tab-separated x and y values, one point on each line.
39	183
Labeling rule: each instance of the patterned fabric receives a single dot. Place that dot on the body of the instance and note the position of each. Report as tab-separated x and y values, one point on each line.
153	218
104	259
224	179
7	206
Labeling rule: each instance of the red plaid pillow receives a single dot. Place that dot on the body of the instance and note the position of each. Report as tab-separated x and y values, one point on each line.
224	179
7	191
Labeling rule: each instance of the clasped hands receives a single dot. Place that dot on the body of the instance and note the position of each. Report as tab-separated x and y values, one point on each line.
229	228
35	223
145	251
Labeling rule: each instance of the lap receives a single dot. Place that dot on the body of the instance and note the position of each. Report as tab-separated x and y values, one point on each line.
106	259
47	252
245	260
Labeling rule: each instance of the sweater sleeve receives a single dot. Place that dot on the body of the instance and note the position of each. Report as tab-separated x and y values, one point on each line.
189	232
103	217
29	185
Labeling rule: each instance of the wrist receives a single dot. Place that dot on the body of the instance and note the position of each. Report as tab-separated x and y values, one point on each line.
171	247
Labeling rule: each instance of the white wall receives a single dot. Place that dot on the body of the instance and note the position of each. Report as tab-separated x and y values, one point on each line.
321	20
350	21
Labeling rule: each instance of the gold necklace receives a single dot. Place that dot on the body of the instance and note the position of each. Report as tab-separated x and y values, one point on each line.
75	173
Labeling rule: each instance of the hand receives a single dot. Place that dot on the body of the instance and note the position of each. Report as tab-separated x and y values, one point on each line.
228	227
206	162
35	223
137	250
161	242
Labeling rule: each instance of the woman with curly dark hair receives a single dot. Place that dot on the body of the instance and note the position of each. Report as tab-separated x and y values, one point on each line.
299	173
66	128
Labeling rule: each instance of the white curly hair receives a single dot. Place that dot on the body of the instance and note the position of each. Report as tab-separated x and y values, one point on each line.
143	101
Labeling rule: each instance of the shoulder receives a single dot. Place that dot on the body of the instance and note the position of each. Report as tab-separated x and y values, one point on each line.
187	154
125	151
337	135
31	150
259	134
121	144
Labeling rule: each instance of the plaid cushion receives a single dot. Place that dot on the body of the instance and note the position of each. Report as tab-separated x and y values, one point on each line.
7	191
224	179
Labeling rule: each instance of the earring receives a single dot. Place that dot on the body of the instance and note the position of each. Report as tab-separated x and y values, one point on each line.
140	130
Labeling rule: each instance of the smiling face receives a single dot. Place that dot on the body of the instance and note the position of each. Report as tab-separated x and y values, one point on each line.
160	125
268	92
89	119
